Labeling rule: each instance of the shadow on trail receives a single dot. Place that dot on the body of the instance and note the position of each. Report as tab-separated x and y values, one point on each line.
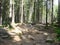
30	37
4	36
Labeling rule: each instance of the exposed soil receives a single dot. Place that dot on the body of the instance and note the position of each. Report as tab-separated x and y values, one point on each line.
27	35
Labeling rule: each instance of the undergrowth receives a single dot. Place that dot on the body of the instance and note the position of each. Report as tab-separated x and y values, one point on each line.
57	31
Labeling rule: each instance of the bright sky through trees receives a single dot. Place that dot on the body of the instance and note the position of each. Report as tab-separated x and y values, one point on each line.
55	2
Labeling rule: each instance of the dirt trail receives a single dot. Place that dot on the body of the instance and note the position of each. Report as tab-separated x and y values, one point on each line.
29	36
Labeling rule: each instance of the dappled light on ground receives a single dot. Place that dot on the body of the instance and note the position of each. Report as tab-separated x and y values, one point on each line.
30	36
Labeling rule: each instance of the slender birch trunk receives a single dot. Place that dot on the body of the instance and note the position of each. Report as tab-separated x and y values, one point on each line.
22	12
46	14
13	15
10	15
31	12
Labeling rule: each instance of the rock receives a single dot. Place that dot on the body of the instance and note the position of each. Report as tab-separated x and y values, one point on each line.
49	39
46	34
30	37
23	37
16	38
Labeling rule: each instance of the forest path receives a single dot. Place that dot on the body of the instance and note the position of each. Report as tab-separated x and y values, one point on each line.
30	36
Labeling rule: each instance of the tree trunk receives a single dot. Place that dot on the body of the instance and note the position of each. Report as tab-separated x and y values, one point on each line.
41	11
10	15
13	15
52	14
31	12
0	14
46	14
22	12
59	13
37	11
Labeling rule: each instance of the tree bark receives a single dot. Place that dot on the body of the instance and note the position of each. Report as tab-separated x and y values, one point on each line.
31	12
46	14
52	14
13	15
10	15
22	12
58	13
0	14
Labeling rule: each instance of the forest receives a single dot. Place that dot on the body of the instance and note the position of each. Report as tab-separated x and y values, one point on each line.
29	22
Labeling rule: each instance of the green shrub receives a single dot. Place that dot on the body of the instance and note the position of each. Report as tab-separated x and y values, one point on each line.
1	26
57	31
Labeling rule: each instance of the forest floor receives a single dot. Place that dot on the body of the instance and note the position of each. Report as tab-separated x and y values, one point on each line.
27	35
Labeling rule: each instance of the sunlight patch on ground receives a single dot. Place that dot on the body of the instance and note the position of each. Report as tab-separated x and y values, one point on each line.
17	31
45	33
16	38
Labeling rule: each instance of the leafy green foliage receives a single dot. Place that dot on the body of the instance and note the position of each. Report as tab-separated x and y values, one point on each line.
1	26
57	30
